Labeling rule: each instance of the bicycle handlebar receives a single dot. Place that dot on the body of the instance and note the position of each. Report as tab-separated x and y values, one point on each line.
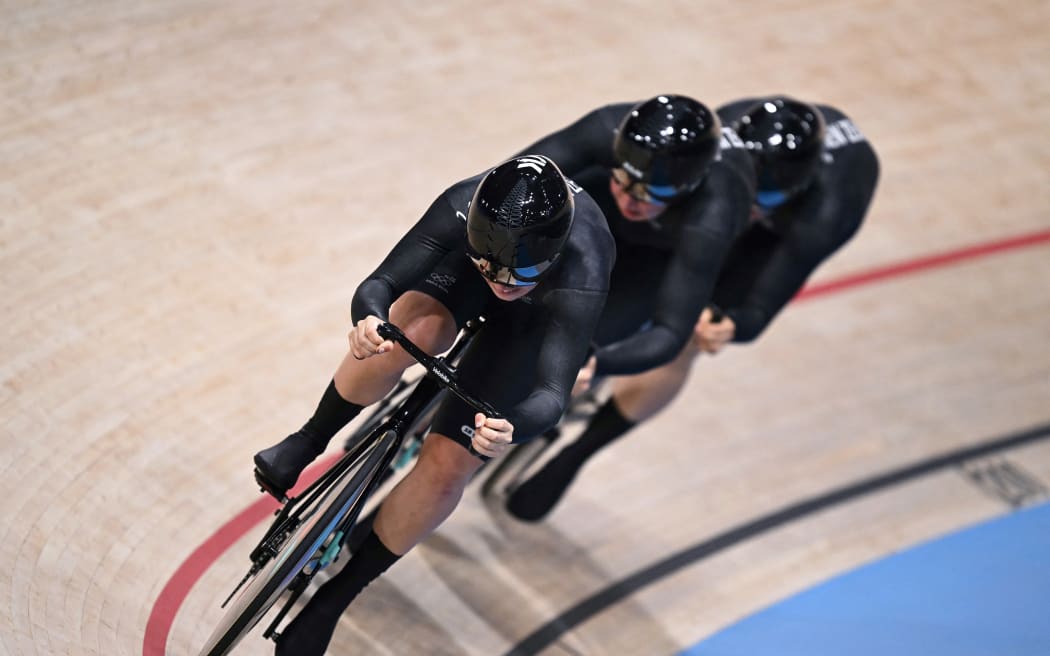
438	368
716	313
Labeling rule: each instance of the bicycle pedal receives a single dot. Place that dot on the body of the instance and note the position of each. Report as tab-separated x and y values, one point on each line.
267	488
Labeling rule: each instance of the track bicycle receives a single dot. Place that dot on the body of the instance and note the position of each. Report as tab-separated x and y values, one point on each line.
312	529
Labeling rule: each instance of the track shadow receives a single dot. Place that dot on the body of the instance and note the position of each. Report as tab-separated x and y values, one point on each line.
384	620
517	576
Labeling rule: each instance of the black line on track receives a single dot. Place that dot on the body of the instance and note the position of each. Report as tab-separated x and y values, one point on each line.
587	608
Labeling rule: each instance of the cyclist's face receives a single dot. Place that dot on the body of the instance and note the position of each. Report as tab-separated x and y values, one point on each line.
508	292
768	201
632	208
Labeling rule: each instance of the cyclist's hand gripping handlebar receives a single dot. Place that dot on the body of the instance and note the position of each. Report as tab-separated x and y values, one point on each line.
440	370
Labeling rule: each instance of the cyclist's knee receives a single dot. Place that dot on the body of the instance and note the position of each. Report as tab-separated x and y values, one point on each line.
425	320
434	333
446	463
642	396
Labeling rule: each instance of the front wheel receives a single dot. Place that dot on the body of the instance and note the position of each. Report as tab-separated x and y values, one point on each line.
300	550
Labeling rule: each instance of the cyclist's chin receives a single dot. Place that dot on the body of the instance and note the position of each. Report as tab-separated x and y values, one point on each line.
637	217
505	293
639	212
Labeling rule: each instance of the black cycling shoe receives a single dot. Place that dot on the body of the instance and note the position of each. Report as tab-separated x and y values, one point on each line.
535	498
278	468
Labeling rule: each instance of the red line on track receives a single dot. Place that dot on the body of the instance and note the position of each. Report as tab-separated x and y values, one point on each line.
192	569
178	587
922	263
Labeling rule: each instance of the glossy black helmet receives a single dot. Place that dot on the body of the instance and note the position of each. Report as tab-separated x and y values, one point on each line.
519	220
786	140
667	144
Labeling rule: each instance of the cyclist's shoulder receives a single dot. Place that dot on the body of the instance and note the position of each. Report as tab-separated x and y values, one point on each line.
842	135
721	205
595	128
731	112
589	227
591	250
460	193
733	167
448	211
837	203
611	114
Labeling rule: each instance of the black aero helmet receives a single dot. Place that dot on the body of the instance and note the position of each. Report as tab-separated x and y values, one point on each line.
786	140
519	220
667	143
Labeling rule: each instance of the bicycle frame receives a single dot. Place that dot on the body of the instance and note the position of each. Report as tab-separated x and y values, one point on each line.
403	417
335	500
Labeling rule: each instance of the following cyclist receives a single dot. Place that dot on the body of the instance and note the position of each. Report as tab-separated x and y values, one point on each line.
676	189
816	177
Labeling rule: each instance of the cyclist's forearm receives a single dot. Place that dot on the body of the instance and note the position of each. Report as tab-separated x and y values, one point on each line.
372	298
538	412
570	326
640	352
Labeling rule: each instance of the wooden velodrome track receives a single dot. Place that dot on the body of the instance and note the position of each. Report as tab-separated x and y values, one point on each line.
190	191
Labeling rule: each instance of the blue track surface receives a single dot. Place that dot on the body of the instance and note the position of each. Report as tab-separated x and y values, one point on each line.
983	591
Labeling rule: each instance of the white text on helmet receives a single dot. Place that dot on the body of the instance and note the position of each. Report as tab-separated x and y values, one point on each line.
730	139
841	133
535	163
633	170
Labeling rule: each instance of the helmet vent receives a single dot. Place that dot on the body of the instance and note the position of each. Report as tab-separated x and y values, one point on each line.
510	214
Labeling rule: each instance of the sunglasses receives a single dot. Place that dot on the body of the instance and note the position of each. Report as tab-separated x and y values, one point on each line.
646	193
769	200
510	276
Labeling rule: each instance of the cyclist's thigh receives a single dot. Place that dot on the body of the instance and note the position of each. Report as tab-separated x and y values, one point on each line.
454	420
499	367
443	459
